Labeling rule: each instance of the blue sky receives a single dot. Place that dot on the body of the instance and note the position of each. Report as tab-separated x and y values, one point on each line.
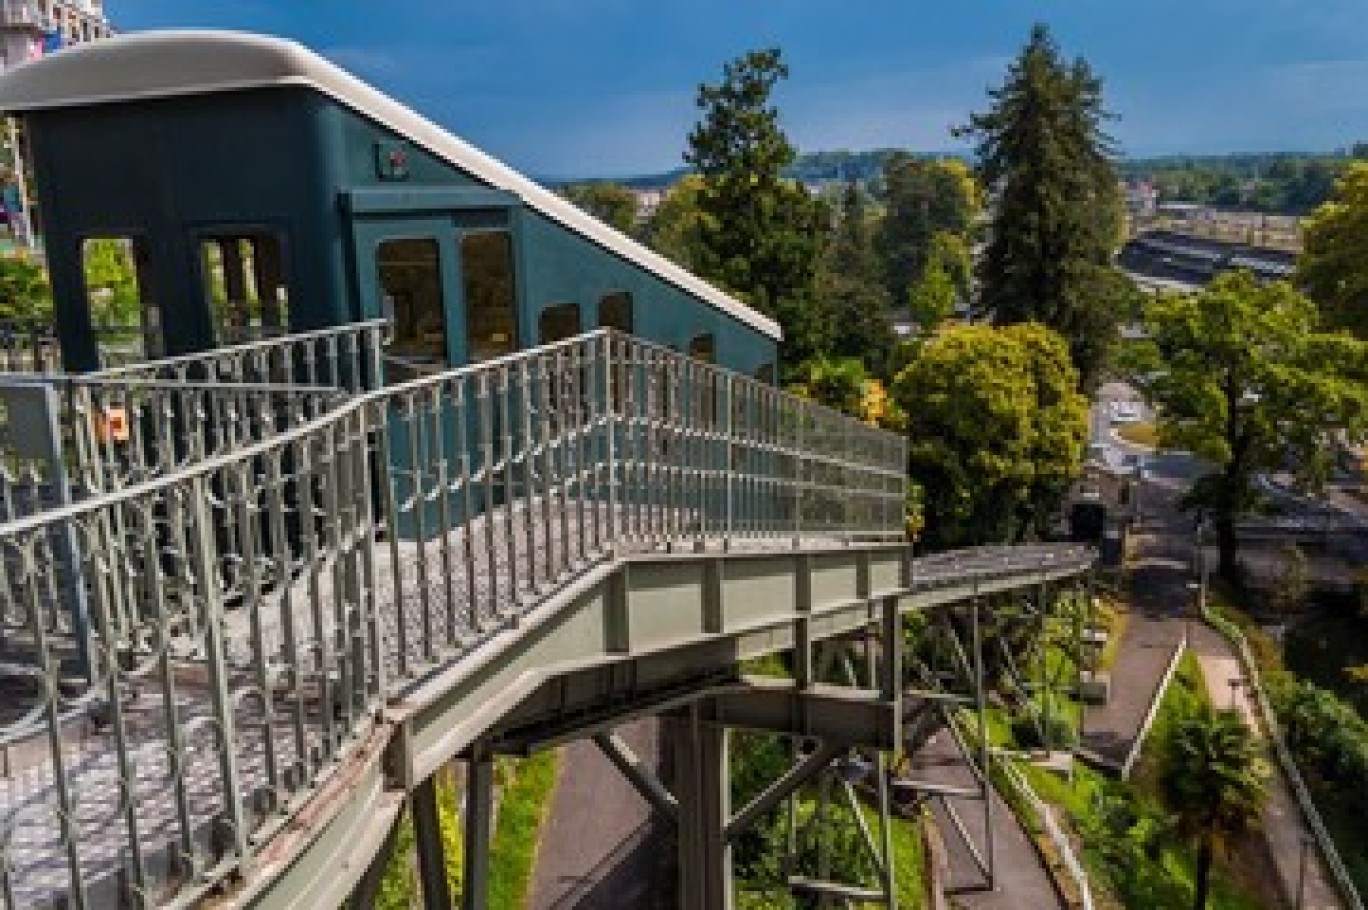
606	87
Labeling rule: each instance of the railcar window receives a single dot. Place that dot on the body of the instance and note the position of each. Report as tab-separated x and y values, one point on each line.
124	315
487	263
244	286
559	322
615	312
704	348
410	275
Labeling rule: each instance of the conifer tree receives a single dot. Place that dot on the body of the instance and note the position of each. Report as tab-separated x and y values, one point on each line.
1044	161
761	234
849	285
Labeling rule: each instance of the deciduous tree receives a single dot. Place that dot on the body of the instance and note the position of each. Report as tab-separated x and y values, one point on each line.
997	428
1243	377
1333	267
611	203
923	199
1057	211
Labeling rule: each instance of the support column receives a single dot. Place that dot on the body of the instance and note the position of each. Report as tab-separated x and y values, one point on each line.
703	790
479	827
427	836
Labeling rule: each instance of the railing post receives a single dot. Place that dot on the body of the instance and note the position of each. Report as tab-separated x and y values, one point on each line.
216	659
610	425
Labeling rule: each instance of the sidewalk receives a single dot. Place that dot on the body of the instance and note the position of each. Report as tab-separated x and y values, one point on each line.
1021	880
1283	826
1158	597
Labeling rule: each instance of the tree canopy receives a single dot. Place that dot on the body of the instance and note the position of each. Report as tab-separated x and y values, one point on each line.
849	286
997	429
1243	377
1057	215
611	203
760	234
923	199
1334	262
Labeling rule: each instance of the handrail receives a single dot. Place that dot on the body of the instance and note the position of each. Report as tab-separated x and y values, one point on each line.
1343	882
254	604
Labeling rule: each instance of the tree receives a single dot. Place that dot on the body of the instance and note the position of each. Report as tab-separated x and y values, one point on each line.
1214	780
1058	215
111	279
24	291
1333	267
849	285
924	199
1243	378
675	228
760	235
943	282
996	429
611	203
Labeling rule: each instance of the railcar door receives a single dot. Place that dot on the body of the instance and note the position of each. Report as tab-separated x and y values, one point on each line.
407	271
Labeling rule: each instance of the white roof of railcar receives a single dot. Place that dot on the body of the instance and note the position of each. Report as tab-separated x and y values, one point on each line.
163	64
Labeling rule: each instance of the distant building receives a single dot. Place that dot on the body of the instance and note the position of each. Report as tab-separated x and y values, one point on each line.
1142	198
647	202
32	28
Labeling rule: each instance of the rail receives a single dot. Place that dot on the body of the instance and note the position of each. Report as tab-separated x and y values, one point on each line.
252	606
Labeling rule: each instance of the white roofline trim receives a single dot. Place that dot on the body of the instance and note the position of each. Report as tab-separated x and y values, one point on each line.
286	63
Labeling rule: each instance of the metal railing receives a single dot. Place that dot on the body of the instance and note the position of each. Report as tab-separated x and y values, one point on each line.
256	591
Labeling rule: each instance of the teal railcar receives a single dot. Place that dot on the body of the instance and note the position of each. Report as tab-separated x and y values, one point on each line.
261	189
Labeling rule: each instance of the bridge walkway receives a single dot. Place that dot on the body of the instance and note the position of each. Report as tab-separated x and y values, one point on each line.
295	616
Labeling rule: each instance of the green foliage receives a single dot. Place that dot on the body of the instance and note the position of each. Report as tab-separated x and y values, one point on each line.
611	203
1058	213
400	888
1274	183
760	234
1334	263
1214	781
24	291
932	298
1243	378
523	806
838	384
112	283
849	284
996	429
675	230
924	199
1328	739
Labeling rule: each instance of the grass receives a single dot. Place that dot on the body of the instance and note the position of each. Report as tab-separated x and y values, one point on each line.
1132	856
1140	434
909	858
1115	620
523	807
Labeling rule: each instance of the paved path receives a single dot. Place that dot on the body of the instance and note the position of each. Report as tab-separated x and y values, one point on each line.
599	850
1022	883
1161	601
1283	826
1159	597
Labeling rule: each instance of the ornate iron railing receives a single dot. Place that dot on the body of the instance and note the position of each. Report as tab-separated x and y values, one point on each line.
256	587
